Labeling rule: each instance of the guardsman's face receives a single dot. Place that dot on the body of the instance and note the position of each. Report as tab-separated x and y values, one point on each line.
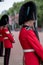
30	23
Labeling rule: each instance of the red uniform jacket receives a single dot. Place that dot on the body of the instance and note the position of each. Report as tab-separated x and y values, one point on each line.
8	39
29	40
1	37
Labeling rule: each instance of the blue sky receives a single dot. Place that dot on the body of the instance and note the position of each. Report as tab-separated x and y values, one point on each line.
7	4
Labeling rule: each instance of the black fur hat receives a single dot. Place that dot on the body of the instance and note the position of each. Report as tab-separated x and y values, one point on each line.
27	12
4	20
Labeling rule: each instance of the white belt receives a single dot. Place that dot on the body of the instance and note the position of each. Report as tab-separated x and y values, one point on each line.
0	35
29	50
6	38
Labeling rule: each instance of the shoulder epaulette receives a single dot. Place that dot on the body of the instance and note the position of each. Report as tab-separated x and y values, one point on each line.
28	28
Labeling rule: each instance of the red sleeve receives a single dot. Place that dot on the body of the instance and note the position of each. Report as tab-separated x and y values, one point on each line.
9	35
32	39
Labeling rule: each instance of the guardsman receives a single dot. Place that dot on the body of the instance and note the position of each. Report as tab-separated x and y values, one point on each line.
31	45
1	43
8	39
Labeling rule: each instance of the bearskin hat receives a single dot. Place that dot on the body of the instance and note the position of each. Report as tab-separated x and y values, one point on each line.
27	12
4	20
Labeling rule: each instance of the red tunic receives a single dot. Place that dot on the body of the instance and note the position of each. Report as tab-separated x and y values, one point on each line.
1	37
8	39
28	40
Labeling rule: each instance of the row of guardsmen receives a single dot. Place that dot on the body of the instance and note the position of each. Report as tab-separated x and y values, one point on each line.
28	36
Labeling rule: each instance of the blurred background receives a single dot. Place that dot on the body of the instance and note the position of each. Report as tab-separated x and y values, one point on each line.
12	7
